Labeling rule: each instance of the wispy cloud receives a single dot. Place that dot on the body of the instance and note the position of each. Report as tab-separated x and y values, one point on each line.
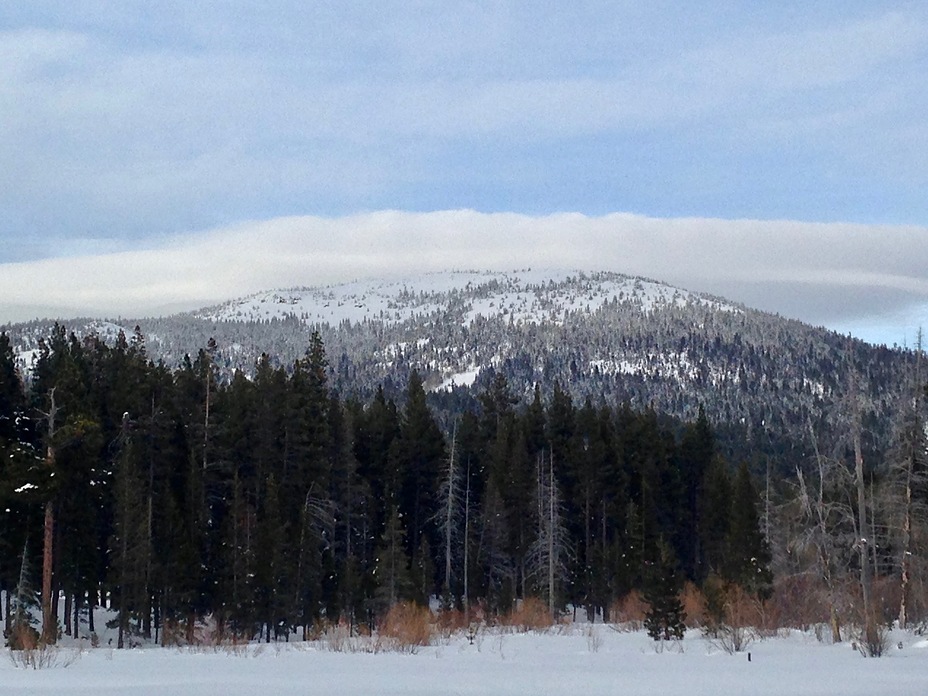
123	126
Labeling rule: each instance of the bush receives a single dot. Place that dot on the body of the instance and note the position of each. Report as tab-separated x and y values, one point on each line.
405	628
694	605
451	621
22	636
44	657
733	616
873	640
530	614
629	611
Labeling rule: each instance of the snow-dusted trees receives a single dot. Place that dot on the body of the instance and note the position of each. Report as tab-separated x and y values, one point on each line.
548	556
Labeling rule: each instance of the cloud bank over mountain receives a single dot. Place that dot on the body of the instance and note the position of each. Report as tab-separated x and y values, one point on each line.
871	280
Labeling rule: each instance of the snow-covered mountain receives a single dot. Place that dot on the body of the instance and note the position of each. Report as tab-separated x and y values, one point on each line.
524	297
602	336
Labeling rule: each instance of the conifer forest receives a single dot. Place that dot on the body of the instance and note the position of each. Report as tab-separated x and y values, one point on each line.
271	502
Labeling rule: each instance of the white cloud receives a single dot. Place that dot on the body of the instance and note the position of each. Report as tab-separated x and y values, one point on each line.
867	273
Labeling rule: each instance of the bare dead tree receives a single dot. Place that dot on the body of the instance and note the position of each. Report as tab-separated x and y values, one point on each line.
825	517
549	553
450	512
909	473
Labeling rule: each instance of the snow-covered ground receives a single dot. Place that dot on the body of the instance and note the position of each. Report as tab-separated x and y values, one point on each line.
576	662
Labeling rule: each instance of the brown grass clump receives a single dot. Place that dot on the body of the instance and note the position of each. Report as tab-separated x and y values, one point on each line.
629	611
405	628
530	614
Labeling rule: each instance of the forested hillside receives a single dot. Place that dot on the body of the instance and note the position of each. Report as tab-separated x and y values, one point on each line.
613	338
497	443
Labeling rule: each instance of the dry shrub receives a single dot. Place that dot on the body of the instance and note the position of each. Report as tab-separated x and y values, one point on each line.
529	614
405	628
769	622
694	605
797	601
629	611
44	657
887	596
318	630
451	621
594	638
173	634
343	636
23	637
221	636
740	617
337	637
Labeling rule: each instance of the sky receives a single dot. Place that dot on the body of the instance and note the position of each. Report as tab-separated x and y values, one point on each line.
140	139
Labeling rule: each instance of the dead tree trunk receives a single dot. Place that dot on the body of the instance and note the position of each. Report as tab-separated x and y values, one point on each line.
49	623
871	630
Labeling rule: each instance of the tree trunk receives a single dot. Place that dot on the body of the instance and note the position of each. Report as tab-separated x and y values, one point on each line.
91	605
76	621
49	624
906	552
862	526
49	629
68	600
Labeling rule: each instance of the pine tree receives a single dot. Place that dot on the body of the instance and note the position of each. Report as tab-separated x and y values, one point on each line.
748	557
665	616
129	550
21	634
391	568
697	452
63	393
715	512
418	454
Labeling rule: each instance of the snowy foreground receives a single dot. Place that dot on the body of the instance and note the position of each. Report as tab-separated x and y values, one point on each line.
578	662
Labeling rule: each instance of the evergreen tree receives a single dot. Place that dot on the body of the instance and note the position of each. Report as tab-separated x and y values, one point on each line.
129	547
391	568
236	576
21	634
715	511
748	557
697	451
418	455
665	616
63	393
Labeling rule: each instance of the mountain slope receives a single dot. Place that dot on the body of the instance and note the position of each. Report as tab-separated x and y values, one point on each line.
603	336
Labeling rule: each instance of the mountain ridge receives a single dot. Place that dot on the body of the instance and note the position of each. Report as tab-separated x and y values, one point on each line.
603	336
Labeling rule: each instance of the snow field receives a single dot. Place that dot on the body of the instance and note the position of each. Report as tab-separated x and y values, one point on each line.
582	660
